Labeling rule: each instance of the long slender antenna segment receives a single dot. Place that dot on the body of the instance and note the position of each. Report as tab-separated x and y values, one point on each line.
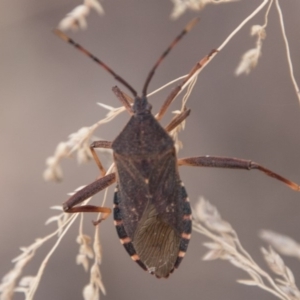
94	58
187	28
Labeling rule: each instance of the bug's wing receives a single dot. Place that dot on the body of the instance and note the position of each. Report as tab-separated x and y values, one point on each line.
145	181
158	236
156	243
151	202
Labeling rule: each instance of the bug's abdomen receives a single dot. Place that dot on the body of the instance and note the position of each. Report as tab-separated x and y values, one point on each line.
123	235
156	245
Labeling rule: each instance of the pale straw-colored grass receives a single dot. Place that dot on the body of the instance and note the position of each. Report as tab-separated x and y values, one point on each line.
76	19
180	6
224	243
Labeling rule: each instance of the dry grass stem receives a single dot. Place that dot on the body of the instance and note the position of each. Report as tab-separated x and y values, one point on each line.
34	283
80	142
282	243
250	58
230	36
175	132
92	290
288	54
85	250
166	85
180	6
76	19
28	284
226	246
285	278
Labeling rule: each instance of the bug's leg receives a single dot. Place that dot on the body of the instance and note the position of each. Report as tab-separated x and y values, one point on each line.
99	144
124	99
87	192
177	120
233	163
177	89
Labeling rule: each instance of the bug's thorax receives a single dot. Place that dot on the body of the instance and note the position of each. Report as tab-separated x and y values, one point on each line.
142	136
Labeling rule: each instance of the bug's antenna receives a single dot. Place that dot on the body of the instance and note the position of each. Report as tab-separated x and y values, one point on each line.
187	28
94	58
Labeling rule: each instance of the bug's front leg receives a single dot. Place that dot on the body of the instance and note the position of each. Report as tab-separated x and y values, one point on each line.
233	163
103	145
87	192
200	64
178	119
124	99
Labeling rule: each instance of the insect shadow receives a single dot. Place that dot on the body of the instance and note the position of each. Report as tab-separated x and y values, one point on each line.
151	210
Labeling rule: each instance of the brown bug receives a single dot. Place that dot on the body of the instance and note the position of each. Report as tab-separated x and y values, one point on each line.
152	213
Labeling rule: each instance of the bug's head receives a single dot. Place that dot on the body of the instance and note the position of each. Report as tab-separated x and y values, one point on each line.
141	105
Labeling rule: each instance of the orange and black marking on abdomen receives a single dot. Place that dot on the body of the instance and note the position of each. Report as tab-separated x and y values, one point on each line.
186	226
123	236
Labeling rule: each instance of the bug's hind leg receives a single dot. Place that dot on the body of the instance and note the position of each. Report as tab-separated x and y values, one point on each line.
234	163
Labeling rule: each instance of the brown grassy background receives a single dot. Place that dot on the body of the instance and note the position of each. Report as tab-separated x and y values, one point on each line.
48	91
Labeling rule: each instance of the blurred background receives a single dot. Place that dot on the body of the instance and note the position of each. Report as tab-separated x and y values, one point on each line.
49	90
